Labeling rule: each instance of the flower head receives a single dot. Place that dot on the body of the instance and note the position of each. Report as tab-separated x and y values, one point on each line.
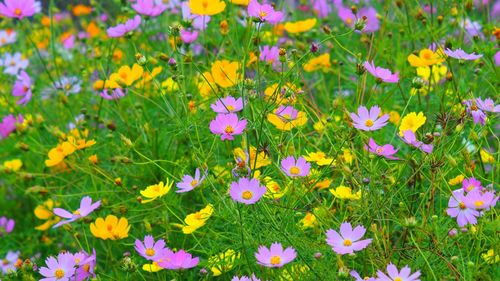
461	55
382	74
227	105
149	7
223	262
110	228
227	125
23	88
18	8
321	62
348	241
178	260
410	138
369	15
264	12
226	73
344	192
458	207
207	7
13	63
8	125
86	207
426	57
124	28
286	118
487	105
412	121
369	120
60	269
188	182
247	191
6	225
395	275
295	168
150	249
470	184
300	26
386	150
275	256
156	191
245	278
196	220
8	263
45	212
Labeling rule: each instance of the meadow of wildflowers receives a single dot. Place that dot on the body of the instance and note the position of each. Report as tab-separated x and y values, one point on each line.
249	140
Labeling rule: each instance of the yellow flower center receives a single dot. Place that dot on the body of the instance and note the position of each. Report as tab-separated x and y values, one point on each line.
427	55
204	4
150	252
262	14
86	267
157	188
25	89
479	203
275	260
230	107
294	170
59	273
461	205
18	12
398	279
369	123
12	63
109	227
247	195
348	20
229	130
347	242
5	262
67	86
379	150
473	107
77	212
194	183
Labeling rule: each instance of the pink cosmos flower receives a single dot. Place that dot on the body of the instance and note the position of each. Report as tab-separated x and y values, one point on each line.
461	55
471	184
410	138
347	242
227	105
346	15
197	21
85	264
189	183
113	94
271	56
8	125
18	8
382	74
264	12
8	263
6	225
457	208
488	105
477	114
178	260
496	57
124	28
149	249
480	200
356	276
227	125
149	8
247	191
321	8
22	88
275	256
7	37
60	269
386	150
369	121
395	275
86	207
292	168
245	278
188	37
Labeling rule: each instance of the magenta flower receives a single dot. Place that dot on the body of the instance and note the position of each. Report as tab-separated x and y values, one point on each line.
356	276
264	12
487	105
189	183
8	263
85	265
6	225
347	242
245	278
461	55
178	260
275	256
382	74
149	8
346	15
292	168
479	200
496	58
386	150
395	275
457	208
188	37
18	8
471	184
22	88
124	28
197	21
227	125
410	138
113	94
247	191
86	207
149	249
8	125
227	105
369	121
477	114
271	56
321	8
60	269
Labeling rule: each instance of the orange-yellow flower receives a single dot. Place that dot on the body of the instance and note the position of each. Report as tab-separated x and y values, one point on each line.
300	26
58	154
225	73
206	7
44	212
425	57
111	228
321	62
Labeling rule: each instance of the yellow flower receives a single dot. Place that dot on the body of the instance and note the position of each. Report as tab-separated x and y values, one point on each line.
486	157
287	95
111	228
323	184
170	85
347	156
156	191
93	159
308	221
125	76
262	159
456	180
80	143
206	84
321	62
300	26
490	257
438	72
223	262
152	267
425	57
343	192
57	155
319	158
148	76
44	212
207	7
412	121
197	220
394	117
225	73
285	122
274	190
12	165
240	2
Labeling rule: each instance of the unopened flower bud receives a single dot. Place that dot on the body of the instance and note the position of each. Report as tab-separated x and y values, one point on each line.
141	59
417	83
360	24
453	232
314	48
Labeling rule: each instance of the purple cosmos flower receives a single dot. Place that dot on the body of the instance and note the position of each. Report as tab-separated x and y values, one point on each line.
85	265
471	184
496	57
7	264
8	125
346	15
487	105
227	105
264	12
347	241
477	199
197	21
369	121
386	150
227	125
275	256
18	8
149	249
247	191
188	37
245	278
124	28
13	63
410	138
149	7
22	88
395	275
271	56
7	37
68	84
178	260
292	168
461	55
321	8
457	208
60	269
356	276
113	94
478	115
189	183
6	225
382	74
86	207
